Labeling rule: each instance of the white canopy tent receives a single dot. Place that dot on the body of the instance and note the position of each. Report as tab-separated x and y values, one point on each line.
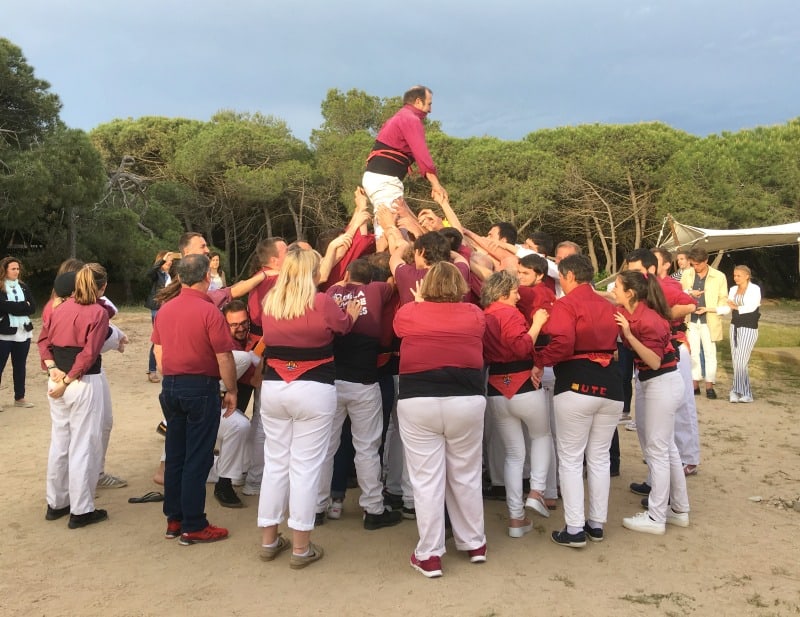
675	236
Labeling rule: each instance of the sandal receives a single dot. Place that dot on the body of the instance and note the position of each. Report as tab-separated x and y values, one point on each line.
153	377
551	504
150	497
690	470
535	502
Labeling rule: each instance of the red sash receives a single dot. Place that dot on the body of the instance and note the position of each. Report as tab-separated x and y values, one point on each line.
510	383
603	358
289	370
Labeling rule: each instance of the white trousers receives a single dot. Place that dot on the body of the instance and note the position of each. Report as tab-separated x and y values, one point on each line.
362	402
394	461
548	385
494	450
256	445
107	422
699	334
741	347
381	190
297	419
584	428
76	448
687	432
442	441
232	437
667	480
509	416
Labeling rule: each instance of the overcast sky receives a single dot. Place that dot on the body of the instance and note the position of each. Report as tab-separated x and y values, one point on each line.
502	68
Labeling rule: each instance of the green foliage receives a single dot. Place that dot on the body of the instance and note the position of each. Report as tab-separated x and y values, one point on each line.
135	185
28	111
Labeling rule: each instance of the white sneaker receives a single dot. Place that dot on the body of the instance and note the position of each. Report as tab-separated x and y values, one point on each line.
251	490
679	519
108	481
745	399
335	509
631	426
643	523
734	398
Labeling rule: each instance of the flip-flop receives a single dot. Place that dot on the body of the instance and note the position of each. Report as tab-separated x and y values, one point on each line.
150	497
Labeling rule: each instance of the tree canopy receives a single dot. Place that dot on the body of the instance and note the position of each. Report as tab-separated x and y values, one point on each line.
130	187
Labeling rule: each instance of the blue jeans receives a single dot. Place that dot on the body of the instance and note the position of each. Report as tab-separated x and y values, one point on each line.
18	350
191	407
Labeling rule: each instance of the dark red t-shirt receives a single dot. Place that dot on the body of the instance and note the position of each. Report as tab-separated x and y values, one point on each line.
191	331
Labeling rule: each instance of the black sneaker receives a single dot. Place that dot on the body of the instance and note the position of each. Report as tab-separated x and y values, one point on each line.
640	489
409	513
711	394
387	518
319	519
77	521
395	502
225	494
595	534
53	514
572	540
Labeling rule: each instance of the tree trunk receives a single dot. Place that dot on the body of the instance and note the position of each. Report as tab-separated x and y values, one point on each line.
73	234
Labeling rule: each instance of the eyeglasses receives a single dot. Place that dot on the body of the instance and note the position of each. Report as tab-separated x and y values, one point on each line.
241	324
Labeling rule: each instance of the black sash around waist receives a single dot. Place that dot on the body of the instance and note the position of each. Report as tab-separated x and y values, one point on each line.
65	359
583	376
446	381
388	161
298	353
356	358
517	366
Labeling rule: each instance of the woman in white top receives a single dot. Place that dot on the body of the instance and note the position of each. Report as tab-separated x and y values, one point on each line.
217	274
16	307
744	298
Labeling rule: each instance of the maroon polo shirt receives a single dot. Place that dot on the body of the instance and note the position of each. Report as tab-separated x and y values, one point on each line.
439	334
191	331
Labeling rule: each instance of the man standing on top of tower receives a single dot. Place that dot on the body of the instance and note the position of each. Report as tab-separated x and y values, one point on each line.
399	144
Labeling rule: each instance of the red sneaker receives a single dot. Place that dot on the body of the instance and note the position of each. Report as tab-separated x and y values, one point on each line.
477	555
209	534
173	530
430	567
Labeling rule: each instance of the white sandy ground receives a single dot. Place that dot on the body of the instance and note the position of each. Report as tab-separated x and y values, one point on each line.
737	557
